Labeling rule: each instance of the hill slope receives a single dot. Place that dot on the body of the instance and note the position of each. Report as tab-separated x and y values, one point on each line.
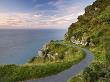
93	31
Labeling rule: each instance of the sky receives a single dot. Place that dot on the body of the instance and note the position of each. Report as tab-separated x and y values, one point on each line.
40	14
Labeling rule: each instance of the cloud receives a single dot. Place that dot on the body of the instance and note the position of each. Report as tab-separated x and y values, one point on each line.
62	16
34	20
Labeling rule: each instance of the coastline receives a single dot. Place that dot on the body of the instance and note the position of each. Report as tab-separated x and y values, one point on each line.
26	71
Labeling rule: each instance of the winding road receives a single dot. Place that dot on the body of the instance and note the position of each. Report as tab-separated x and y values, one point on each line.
65	75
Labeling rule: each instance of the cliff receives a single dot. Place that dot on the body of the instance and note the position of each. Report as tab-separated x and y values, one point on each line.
93	31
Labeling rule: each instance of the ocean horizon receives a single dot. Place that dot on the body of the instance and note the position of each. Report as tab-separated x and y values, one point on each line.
18	46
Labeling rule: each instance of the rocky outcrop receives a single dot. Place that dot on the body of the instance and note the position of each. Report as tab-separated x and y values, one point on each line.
85	41
77	41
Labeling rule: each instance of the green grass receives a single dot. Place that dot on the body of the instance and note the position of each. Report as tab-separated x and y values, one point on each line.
95	23
16	73
77	78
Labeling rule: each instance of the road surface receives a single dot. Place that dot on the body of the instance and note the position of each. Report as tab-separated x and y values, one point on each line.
65	75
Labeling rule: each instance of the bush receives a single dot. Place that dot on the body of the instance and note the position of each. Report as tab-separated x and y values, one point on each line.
36	69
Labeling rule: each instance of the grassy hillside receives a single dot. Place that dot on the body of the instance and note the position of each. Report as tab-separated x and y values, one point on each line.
94	28
55	57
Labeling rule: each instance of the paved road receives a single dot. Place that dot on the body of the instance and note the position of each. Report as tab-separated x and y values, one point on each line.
65	75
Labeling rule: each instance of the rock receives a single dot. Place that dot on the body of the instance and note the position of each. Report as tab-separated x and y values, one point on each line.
82	42
49	56
40	53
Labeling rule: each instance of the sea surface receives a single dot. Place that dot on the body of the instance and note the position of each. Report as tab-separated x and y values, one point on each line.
18	46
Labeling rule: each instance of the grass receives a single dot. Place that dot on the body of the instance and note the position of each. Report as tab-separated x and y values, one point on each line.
99	69
77	78
16	73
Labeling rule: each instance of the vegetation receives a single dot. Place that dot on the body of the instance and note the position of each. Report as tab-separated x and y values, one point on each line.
92	29
95	25
56	51
42	66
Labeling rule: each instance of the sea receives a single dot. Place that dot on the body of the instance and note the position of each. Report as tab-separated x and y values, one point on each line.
17	46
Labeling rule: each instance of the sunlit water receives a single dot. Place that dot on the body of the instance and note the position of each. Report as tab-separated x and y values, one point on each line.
17	46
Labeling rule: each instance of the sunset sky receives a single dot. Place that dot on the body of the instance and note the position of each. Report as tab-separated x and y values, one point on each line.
40	14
